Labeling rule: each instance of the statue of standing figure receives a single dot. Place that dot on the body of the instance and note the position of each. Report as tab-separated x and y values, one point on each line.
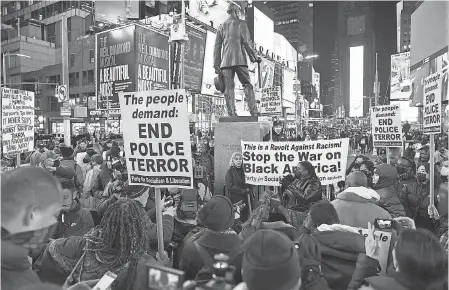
231	43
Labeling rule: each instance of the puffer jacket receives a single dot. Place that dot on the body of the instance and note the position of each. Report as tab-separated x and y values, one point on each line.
386	188
416	197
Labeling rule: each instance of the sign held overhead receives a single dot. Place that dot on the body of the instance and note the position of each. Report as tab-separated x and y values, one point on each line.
432	104
386	126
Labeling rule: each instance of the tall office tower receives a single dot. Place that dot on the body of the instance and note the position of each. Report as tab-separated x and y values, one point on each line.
404	10
335	83
357	56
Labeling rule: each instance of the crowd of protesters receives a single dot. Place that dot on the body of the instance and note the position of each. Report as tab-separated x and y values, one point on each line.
69	216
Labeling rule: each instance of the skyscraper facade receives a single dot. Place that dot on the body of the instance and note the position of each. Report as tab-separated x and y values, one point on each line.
335	83
404	10
356	39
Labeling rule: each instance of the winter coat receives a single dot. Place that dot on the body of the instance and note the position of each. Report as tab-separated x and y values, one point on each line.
214	243
16	268
416	197
79	173
302	193
365	278
231	43
60	257
75	222
92	189
356	207
386	188
339	253
236	185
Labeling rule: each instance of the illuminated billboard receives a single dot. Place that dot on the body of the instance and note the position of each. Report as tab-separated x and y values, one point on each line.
264	31
211	12
400	82
356	81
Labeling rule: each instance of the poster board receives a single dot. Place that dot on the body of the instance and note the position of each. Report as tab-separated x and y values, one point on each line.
266	163
17	121
384	239
386	126
432	104
157	139
271	101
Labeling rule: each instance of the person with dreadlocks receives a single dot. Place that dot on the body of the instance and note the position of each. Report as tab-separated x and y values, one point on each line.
118	244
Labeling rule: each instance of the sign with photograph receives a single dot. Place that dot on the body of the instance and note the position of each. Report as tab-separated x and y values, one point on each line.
400	82
194	51
432	104
17	121
386	126
266	163
157	138
271	101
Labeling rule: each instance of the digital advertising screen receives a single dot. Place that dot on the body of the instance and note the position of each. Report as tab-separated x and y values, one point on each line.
263	31
400	82
211	12
356	81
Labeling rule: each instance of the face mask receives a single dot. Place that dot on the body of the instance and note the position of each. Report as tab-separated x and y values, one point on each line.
401	169
277	130
34	241
422	177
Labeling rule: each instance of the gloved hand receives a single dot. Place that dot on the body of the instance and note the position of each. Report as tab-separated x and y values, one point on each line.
217	69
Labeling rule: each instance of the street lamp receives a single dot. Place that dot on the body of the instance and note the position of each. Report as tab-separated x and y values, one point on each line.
7	54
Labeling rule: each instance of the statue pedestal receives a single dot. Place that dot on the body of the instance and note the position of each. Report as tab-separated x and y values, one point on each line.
229	133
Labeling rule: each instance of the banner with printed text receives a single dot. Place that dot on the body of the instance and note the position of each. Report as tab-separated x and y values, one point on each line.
17	121
432	104
384	239
271	102
266	163
386	126
157	139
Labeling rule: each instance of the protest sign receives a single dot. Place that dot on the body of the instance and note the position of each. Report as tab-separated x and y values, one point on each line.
266	163
386	126
384	239
156	138
17	121
432	104
271	103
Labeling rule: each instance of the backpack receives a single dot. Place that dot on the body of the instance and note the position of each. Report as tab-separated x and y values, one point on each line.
205	274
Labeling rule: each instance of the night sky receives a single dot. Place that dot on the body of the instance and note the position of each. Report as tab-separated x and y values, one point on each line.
325	31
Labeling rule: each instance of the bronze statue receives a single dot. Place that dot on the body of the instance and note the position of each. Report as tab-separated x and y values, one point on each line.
232	41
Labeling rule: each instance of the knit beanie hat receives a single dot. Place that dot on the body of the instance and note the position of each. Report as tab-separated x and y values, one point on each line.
270	262
217	214
97	159
114	151
134	191
66	151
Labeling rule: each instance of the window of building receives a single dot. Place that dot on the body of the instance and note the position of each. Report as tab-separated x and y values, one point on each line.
91	55
17	6
51	32
72	60
4	10
69	29
55	79
90	76
74	79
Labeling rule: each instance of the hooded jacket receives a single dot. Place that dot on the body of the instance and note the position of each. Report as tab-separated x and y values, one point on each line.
386	188
290	231
275	137
356	206
16	269
75	222
416	200
339	252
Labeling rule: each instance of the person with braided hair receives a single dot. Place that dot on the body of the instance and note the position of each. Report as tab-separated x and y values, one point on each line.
117	244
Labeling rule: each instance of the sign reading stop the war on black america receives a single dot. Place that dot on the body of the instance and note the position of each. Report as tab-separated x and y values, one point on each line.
386	126
432	104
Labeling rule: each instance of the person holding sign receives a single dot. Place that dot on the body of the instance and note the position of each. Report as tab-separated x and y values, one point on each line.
419	259
416	196
236	185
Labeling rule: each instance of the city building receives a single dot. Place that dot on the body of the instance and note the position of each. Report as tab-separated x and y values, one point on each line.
357	56
404	11
326	99
335	83
31	33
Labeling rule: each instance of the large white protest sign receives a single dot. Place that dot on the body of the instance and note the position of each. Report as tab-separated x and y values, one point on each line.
17	121
271	103
384	239
157	138
386	126
432	104
266	163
